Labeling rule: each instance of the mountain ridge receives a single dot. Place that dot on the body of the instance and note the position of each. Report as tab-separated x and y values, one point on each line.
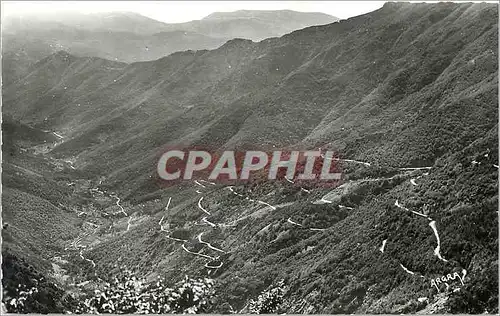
407	96
130	37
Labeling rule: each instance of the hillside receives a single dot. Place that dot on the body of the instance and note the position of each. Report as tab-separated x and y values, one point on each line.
116	22
279	22
406	95
335	85
131	37
253	24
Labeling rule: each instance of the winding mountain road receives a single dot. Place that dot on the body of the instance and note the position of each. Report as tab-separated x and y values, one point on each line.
347	160
168	204
353	161
128	223
201	207
205	220
437	250
122	210
198	254
294	223
406	270
208	244
346	207
382	248
414	212
318	229
415	168
266	204
432	224
231	188
325	201
70	164
198	183
301	188
175	239
213	267
89	260
289	220
207	182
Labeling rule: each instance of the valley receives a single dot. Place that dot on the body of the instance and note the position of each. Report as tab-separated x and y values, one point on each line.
113	221
412	122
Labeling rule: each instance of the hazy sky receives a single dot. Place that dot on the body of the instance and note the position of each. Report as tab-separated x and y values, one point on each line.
182	11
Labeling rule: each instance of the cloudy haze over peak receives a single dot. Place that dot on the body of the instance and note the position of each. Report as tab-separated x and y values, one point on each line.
183	11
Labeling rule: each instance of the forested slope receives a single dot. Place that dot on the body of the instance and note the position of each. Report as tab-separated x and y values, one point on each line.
407	86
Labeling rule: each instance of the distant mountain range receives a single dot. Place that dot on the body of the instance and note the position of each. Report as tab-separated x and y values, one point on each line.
410	90
310	86
255	25
130	37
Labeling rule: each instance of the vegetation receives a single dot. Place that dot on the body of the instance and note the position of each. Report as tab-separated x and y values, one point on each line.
28	291
409	85
127	294
269	301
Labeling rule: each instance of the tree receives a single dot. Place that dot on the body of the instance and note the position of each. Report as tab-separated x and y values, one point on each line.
269	301
128	294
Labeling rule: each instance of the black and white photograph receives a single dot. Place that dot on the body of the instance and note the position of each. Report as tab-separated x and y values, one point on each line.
249	157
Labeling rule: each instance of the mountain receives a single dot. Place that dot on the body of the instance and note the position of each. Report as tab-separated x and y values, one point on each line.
131	37
309	87
128	22
254	25
278	22
407	86
23	49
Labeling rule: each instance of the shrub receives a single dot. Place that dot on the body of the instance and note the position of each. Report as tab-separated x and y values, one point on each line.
129	294
269	301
